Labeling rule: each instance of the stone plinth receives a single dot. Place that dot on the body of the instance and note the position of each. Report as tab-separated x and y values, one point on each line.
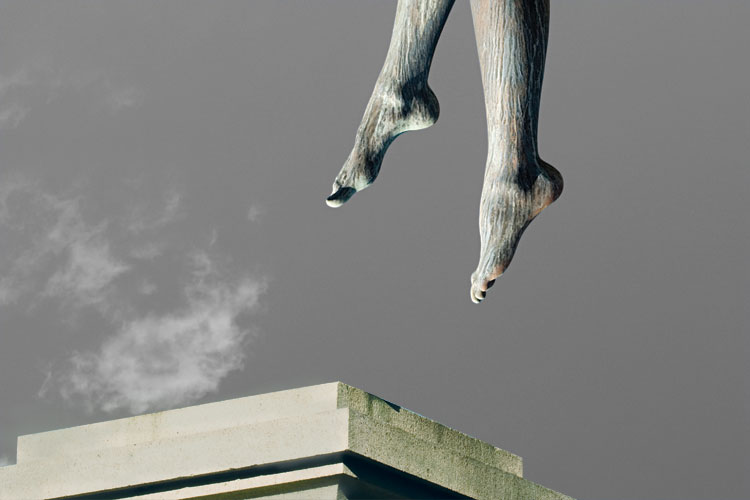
329	441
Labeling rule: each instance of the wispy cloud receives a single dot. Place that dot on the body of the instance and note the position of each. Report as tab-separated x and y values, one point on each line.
19	78
12	116
146	288
58	248
141	219
41	230
254	213
147	251
33	85
89	271
123	97
167	360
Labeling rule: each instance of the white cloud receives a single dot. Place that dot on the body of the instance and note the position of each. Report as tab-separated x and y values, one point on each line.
161	361
203	266
52	248
147	288
88	272
42	233
35	84
119	98
147	251
140	220
12	116
19	78
254	213
13	109
4	460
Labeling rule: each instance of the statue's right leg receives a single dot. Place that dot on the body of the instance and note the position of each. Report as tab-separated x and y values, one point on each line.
402	100
518	185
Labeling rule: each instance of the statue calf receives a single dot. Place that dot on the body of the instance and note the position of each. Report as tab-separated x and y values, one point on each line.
512	43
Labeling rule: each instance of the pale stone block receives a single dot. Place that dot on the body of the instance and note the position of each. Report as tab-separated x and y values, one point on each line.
182	421
325	441
427	430
316	482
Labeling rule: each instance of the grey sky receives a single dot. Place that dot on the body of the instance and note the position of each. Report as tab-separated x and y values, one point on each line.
164	239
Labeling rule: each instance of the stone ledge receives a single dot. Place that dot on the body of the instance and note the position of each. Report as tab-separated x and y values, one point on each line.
428	430
178	422
298	438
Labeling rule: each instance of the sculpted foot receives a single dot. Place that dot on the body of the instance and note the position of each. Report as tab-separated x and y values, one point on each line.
510	201
391	112
512	44
402	100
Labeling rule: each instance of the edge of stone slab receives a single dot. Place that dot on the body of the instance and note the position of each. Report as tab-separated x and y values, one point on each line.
427	429
254	409
182	421
440	465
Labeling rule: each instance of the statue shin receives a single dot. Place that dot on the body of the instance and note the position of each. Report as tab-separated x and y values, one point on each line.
511	40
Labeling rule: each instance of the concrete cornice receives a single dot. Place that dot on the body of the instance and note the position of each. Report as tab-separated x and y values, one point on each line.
331	431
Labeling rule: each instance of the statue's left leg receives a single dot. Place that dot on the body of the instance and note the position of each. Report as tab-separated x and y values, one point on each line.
401	100
518	185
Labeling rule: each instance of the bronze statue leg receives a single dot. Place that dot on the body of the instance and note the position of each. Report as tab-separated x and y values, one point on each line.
518	185
401	100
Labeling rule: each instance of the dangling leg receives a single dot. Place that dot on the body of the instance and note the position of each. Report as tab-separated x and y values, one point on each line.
402	100
512	42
